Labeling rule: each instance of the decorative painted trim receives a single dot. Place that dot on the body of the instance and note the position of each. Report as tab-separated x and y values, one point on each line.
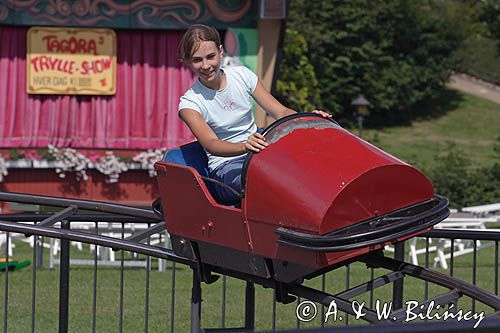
130	14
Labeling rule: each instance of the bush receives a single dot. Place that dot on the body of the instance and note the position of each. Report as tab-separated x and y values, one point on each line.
479	57
464	186
395	52
299	82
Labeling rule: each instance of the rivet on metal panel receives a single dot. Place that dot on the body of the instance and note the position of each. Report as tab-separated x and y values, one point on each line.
210	224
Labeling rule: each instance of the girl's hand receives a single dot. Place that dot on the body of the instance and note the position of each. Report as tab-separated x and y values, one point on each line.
322	113
256	142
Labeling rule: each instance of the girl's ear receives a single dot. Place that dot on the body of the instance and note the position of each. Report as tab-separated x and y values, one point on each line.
221	50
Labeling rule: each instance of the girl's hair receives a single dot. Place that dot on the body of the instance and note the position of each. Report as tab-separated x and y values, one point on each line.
193	36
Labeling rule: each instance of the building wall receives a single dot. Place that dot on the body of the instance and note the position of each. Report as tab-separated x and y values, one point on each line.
269	35
136	187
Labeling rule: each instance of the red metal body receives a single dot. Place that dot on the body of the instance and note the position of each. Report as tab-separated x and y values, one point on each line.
312	179
320	180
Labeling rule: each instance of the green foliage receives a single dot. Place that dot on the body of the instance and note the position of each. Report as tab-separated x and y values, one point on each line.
463	16
490	13
450	176
479	57
394	52
496	147
298	82
462	185
484	185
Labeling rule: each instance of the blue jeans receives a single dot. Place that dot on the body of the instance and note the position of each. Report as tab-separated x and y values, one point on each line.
229	173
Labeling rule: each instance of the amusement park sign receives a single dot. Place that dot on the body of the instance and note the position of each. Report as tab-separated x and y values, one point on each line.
71	61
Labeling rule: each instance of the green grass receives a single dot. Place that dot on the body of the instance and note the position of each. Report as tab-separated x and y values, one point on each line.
108	302
472	123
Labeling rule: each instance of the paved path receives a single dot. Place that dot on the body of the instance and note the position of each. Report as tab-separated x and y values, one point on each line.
474	86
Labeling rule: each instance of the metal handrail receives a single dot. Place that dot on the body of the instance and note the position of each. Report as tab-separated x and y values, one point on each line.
89	238
131	244
81	204
477	234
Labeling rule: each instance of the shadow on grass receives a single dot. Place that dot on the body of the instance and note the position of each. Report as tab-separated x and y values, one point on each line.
445	100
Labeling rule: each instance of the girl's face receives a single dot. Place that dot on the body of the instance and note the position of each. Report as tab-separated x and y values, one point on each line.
205	62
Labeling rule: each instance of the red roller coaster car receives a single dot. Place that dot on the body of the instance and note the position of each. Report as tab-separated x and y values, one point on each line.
316	197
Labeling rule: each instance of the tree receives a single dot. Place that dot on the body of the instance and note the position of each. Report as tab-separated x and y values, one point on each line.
490	13
464	186
298	81
395	52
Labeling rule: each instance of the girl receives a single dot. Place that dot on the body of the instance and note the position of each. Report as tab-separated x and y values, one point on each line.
217	108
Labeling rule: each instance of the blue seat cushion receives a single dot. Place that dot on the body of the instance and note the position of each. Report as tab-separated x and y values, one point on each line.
193	155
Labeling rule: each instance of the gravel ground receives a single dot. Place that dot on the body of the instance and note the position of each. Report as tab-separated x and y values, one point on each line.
475	87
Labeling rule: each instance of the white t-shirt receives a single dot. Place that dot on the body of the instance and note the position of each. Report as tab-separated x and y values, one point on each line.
228	111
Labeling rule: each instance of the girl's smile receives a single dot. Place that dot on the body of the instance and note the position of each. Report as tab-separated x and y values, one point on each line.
205	63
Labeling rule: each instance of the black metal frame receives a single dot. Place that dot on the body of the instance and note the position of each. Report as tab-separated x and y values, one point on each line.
395	225
397	268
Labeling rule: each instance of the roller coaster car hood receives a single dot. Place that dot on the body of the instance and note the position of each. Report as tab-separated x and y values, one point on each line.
315	177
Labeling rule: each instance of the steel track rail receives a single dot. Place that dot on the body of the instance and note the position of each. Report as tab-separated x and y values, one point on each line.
97	206
308	293
78	217
90	238
151	250
425	274
456	286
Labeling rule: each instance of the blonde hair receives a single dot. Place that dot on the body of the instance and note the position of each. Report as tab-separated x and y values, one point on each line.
190	42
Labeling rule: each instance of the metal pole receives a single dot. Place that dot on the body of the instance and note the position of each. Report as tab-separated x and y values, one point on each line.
347	285
6	290
195	303
64	281
250	306
360	125
172	301
323	288
33	284
148	270
122	263
397	287
94	289
223	310
496	267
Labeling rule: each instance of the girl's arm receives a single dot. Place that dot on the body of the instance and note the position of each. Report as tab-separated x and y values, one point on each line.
212	144
273	107
270	104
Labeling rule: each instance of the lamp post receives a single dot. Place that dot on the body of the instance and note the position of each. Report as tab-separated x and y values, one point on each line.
361	105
